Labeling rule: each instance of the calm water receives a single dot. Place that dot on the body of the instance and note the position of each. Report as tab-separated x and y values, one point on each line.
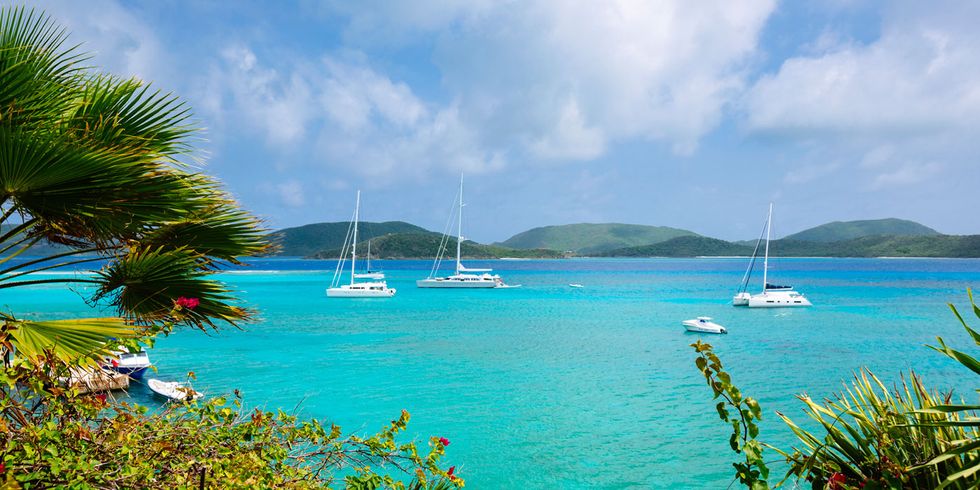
547	386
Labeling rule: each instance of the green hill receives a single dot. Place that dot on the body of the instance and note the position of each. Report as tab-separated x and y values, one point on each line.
424	246
683	246
962	246
849	230
589	238
307	240
966	246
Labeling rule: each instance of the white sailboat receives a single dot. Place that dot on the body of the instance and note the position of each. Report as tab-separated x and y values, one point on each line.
464	277
368	272
374	289
772	296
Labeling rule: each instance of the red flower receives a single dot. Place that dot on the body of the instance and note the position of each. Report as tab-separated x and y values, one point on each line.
189	303
115	363
450	472
100	397
443	441
3	468
836	481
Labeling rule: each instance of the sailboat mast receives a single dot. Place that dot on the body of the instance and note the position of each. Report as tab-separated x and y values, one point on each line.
369	256
459	230
765	263
353	250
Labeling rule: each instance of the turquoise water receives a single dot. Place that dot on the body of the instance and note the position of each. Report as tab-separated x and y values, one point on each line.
547	386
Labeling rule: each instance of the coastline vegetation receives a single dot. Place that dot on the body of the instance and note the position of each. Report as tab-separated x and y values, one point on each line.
105	169
869	436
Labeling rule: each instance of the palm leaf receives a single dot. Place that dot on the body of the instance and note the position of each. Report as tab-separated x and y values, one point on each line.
145	284
77	340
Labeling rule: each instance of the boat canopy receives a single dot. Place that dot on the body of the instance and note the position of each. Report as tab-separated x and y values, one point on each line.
777	286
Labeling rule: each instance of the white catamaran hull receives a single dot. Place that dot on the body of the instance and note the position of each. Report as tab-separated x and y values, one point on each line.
361	290
450	282
780	299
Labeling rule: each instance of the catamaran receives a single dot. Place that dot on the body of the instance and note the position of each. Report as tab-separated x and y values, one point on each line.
374	289
368	272
772	296
464	277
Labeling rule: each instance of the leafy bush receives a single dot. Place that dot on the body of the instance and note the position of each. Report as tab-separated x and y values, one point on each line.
870	436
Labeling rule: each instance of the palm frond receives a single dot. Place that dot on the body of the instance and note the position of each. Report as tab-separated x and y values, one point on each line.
146	283
81	341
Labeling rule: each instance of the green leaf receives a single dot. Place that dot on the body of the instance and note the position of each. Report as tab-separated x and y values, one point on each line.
79	340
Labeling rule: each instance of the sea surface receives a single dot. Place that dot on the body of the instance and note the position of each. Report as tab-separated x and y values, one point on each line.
548	386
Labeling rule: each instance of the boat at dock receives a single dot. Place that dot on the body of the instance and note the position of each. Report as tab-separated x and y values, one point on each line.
132	364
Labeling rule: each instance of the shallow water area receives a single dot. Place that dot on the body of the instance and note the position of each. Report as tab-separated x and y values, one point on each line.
549	386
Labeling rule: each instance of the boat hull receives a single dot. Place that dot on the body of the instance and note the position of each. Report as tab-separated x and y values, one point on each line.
781	299
699	327
133	372
348	292
455	284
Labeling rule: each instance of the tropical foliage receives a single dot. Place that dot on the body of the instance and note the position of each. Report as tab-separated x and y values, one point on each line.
874	437
740	412
103	170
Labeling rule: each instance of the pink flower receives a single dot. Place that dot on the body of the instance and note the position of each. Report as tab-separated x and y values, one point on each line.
443	441
189	303
3	468
835	481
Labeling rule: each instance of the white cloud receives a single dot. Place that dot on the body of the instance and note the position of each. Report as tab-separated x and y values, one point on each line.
884	107
123	44
906	174
921	75
530	77
291	193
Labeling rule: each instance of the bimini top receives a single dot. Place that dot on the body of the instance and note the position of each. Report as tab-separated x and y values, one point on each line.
777	286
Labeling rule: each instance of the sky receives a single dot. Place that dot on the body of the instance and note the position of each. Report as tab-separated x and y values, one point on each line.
687	114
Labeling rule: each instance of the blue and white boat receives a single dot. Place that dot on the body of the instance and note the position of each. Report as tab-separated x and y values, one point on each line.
132	364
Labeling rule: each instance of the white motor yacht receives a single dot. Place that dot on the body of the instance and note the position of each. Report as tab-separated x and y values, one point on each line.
703	324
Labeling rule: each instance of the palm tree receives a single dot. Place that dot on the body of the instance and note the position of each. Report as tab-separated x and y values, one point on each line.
103	168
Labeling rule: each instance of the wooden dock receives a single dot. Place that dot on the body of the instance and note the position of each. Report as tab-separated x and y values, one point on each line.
96	379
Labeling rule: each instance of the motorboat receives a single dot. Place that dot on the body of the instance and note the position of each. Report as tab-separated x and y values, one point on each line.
575	285
703	324
772	296
464	277
173	390
132	364
374	289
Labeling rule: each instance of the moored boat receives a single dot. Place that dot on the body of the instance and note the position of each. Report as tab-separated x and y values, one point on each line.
132	364
703	324
772	296
374	289
464	278
173	390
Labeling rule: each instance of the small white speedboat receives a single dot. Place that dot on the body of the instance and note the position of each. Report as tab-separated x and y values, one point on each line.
173	390
575	285
703	324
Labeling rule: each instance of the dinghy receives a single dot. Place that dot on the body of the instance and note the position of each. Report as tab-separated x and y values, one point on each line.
173	390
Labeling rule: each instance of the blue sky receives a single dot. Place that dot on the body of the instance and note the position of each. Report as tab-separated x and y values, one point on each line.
685	114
